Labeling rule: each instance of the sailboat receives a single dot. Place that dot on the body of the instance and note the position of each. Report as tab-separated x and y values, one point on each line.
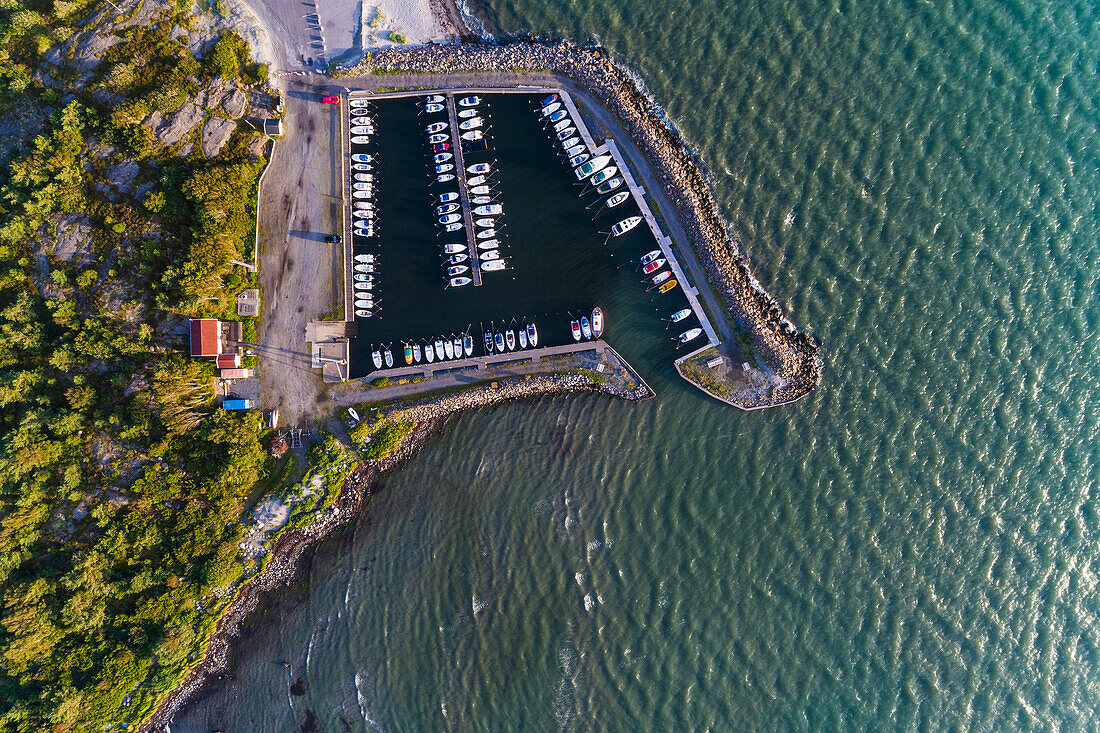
625	225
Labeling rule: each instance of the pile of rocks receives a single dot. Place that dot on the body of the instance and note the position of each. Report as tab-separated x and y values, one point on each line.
793	354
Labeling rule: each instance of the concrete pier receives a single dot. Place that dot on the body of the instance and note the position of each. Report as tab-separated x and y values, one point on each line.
479	364
463	192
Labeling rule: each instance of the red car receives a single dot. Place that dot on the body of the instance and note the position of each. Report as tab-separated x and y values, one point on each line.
330	100
440	147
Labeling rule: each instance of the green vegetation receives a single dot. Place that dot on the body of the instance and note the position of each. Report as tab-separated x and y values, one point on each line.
396	37
381	439
378	19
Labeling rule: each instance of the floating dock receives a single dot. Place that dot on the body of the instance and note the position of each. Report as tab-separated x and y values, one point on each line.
463	192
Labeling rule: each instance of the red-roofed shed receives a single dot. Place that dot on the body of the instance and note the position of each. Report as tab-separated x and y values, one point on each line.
229	361
206	337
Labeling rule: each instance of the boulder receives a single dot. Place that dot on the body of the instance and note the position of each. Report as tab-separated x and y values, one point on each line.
235	104
121	176
215	134
92	48
74	240
185	120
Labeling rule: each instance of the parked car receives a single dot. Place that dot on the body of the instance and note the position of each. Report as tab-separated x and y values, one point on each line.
330	100
332	239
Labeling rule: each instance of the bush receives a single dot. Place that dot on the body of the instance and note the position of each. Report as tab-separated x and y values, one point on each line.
229	53
397	37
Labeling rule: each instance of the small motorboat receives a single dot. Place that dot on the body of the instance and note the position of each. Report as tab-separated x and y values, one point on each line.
364	268
362	130
549	99
510	339
493	265
549	109
578	159
576	326
435	139
498	339
359	102
454	270
449	349
429	352
363	286
364	233
490	210
416	353
464	114
487	234
652	267
609	186
468	345
617	199
363	313
625	225
439	353
488	244
452	249
436	127
532	334
562	124
408	354
458	282
486	222
363	302
666	286
574	151
443	157
457	259
586	327
364	177
364	205
458	347
448	197
473	135
376	357
453	227
488	342
566	133
363	214
481	190
388	357
680	315
362	166
567	144
433	108
603	175
360	116
475	200
522	336
440	147
597	322
476	180
434	99
362	186
489	256
478	168
444	177
471	101
691	333
586	169
471	124
364	258
660	277
360	139
361	157
362	194
450	218
445	168
560	116
446	209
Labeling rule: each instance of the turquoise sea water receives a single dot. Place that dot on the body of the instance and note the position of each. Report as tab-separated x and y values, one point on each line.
913	546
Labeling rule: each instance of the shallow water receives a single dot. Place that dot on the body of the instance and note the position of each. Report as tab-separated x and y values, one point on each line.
912	545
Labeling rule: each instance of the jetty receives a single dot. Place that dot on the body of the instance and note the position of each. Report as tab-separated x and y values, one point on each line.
463	191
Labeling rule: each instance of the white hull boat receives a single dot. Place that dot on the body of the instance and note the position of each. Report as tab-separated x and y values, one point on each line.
433	108
455	270
436	127
479	200
532	334
603	175
522	335
680	315
443	157
625	225
446	209
362	130
429	353
457	259
617	199
450	219
449	349
488	244
485	222
473	135
567	144
362	194
444	177
453	227
458	282
469	101
560	116
436	139
471	124
361	166
559	126
592	166
364	258
492	265
359	103
478	168
487	234
690	334
360	139
448	197
489	256
467	113
491	210
566	133
364	177
445	168
363	313
481	190
609	186
578	159
453	249
434	99
549	109
476	180
361	157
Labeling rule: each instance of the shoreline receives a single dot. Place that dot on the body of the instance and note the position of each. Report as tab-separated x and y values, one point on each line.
430	414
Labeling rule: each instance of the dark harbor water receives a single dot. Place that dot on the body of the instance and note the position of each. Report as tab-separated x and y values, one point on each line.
914	546
560	260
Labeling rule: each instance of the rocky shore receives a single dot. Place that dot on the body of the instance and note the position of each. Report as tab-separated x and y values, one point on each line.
288	556
793	354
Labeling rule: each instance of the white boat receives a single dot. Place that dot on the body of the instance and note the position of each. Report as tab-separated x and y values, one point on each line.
492	265
586	169
481	190
376	357
363	214
362	194
433	108
476	180
367	233
473	135
691	333
532	334
364	205
362	186
487	234
361	117
453	227
625	225
680	315
586	327
439	352
562	124
429	353
597	322
434	99
476	200
559	116
442	157
609	186
488	244
522	337
458	347
363	267
490	210
471	101
510	339
448	197
549	109
456	259
566	133
485	222
359	102
567	144
450	219
361	157
362	130
364	303
468	345
446	209
452	249
467	113
449	348
416	353
650	256
364	258
478	168
617	199
364	177
471	124
457	270
364	286
578	159
360	139
361	166
574	151
435	139
603	175
363	313
436	127
444	168
458	282
363	277
489	256
444	177
388	356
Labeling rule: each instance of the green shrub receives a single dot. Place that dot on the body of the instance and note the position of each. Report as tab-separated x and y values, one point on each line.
397	37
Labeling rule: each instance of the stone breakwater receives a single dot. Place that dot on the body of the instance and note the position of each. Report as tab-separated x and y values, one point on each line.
290	550
793	354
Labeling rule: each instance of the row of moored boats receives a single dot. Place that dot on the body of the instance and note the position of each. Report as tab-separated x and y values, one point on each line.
584	329
364	223
458	346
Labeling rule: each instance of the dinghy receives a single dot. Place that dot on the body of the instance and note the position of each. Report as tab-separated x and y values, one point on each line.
408	354
532	334
625	225
665	287
416	353
597	322
510	339
429	353
680	315
376	357
498	339
660	277
652	267
575	325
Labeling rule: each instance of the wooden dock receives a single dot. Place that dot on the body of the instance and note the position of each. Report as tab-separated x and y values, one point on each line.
463	192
